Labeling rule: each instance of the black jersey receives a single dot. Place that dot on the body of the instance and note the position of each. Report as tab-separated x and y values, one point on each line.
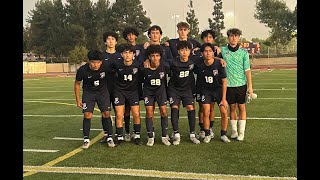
173	45
126	77
181	74
156	79
111	74
210	77
93	81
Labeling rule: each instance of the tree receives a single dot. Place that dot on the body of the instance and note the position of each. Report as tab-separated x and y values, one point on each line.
78	54
217	23
26	39
164	39
129	13
193	22
277	16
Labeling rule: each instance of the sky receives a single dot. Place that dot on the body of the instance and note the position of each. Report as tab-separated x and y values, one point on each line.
167	13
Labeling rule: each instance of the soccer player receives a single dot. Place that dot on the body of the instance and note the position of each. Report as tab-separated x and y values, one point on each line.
126	84
93	75
154	90
238	81
212	84
183	31
180	89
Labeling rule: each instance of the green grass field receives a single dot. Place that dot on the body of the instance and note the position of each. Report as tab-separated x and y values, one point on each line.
269	148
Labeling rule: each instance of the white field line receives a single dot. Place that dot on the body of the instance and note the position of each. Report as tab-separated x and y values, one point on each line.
50	91
181	117
30	79
68	138
48	87
146	173
39	150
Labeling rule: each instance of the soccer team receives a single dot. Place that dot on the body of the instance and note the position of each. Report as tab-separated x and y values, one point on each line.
180	70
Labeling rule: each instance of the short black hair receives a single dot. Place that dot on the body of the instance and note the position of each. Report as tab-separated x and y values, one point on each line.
203	46
234	31
206	32
153	49
154	27
125	47
128	30
183	44
95	55
109	33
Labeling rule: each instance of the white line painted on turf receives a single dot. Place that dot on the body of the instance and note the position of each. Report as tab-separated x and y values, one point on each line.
50	91
275	98
182	117
93	130
146	173
39	150
284	89
67	138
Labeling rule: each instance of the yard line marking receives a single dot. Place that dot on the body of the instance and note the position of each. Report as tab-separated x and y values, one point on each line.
92	130
285	89
182	117
30	79
276	98
39	150
50	91
67	138
145	173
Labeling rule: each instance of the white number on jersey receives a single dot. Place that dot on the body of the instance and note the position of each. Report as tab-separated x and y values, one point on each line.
209	79
184	74
156	82
128	77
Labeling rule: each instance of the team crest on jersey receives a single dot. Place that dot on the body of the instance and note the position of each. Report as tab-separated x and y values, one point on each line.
161	74
191	66
146	100
135	70
137	52
171	101
84	106
227	53
116	100
203	98
102	75
215	72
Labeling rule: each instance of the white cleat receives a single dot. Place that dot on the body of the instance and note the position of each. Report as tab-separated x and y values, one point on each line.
165	141
127	137
211	133
207	139
202	134
150	142
194	139
110	142
176	139
86	144
240	137
234	134
225	139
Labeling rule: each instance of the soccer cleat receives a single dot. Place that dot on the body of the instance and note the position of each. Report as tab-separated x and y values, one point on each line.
137	139
176	139
150	142
118	140
127	137
104	139
211	133
86	144
165	141
110	142
207	139
234	134
194	139
224	138
202	134
240	137
168	137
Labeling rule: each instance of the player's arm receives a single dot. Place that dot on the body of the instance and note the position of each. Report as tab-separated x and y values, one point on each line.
247	69
224	102
77	93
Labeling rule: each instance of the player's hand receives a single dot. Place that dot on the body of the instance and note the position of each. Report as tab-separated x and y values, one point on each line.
224	103
79	104
146	45
166	43
223	63
194	50
217	49
146	63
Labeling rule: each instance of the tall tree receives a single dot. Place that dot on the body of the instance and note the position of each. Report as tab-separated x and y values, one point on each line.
26	39
217	23
193	21
277	16
130	12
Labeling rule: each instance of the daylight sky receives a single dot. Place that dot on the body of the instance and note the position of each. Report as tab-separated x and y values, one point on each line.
162	13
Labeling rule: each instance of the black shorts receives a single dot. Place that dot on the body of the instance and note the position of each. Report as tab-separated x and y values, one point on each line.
208	97
236	94
121	97
176	96
102	98
150	97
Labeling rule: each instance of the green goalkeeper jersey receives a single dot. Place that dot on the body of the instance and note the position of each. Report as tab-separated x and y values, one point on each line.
237	64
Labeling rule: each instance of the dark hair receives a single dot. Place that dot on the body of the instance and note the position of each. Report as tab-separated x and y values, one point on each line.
154	27
234	31
95	55
182	24
129	30
153	49
203	46
184	44
109	33
125	47
206	32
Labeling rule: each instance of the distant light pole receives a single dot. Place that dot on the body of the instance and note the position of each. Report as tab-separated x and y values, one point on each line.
175	16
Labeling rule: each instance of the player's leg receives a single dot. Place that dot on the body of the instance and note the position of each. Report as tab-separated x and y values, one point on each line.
242	111
127	136
119	102
211	118
231	98
188	102
174	100
88	103
206	121
162	100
